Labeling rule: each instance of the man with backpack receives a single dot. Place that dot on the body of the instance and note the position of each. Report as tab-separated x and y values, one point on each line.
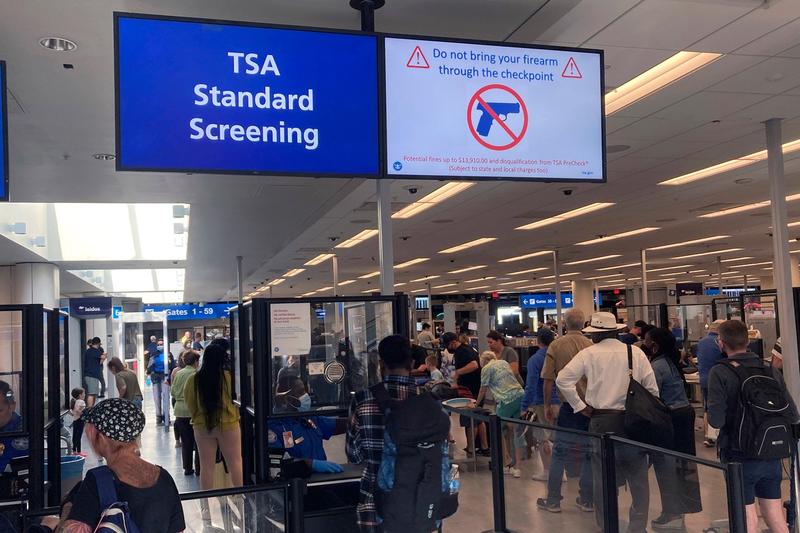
399	434
749	403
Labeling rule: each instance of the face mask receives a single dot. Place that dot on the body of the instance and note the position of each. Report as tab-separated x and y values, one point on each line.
305	402
160	348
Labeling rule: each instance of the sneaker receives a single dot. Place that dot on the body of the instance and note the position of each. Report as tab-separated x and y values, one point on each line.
540	476
585	506
665	522
546	505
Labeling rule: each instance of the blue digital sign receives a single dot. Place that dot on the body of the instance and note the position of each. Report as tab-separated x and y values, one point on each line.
207	96
3	135
208	311
547	300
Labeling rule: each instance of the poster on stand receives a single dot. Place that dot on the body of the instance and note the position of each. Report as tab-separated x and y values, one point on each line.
290	328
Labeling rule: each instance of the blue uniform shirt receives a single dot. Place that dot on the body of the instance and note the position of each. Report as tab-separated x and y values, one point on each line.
11	448
708	353
534	384
307	435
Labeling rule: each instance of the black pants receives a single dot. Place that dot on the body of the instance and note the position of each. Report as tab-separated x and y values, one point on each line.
677	479
77	434
631	468
189	455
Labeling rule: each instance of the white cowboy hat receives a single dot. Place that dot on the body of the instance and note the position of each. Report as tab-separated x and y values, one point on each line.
602	322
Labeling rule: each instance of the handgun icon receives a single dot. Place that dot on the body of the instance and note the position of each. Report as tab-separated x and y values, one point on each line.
500	109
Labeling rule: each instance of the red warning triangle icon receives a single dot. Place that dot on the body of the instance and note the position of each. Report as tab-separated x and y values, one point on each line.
417	59
571	70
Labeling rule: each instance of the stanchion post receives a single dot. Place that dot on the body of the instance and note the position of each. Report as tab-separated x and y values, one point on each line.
737	519
297	491
610	505
498	487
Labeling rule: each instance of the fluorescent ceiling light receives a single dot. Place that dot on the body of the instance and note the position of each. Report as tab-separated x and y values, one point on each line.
276	281
478	280
348	282
566	216
747	207
466	245
627	265
737	259
727	166
449	292
478	287
526	256
400	284
321	258
687	243
603	277
667	279
293	272
426	278
618	236
560	275
752	264
512	282
370	275
412	262
517	273
668	71
793	224
308	294
445	285
439	195
418	290
714	252
370	291
323	289
668	268
467	269
593	259
358	238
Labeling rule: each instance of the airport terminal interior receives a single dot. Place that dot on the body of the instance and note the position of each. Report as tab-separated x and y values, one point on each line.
266	190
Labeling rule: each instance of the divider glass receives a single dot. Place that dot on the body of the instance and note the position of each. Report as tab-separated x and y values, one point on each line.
248	511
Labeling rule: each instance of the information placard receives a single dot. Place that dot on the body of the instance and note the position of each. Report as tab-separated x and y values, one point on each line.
219	97
3	135
290	328
487	111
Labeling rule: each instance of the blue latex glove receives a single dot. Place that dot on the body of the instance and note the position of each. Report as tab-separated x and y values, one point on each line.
325	467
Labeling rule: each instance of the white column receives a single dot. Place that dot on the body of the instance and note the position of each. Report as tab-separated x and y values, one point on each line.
558	290
795	264
385	246
582	297
335	268
644	277
430	306
36	283
239	281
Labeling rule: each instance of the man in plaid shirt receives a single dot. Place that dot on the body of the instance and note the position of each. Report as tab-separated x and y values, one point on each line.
365	430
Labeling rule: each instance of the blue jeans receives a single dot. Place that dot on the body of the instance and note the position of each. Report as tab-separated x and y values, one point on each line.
566	444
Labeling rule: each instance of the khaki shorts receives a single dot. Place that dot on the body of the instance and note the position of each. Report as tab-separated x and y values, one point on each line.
541	434
92	386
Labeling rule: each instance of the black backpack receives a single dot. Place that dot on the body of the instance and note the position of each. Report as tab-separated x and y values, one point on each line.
413	480
761	427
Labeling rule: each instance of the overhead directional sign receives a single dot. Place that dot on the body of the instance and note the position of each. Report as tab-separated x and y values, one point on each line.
546	300
206	96
209	311
486	111
3	135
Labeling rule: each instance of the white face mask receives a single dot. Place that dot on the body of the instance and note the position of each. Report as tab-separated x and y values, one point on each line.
305	402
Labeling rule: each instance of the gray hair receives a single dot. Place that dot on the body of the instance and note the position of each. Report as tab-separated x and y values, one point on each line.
574	319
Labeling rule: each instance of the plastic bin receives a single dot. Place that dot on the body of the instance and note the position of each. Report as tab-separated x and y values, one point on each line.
71	472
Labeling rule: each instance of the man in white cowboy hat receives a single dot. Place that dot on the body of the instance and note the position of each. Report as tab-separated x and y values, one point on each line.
605	365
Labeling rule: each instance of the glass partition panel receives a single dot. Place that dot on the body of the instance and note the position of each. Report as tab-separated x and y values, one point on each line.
11	363
262	511
534	500
235	356
760	315
62	360
648	313
689	324
251	375
332	347
678	494
727	308
45	355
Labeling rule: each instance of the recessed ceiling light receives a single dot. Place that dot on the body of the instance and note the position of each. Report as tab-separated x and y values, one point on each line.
58	44
747	207
445	285
668	268
411	262
293	272
426	278
347	282
526	256
560	275
466	245
478	287
566	216
358	238
518	272
104	157
712	252
626	265
687	243
737	259
593	259
370	275
439	195
467	269
478	280
618	236
321	258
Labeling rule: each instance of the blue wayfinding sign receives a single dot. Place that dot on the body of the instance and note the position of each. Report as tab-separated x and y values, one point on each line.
3	135
547	300
208	311
206	96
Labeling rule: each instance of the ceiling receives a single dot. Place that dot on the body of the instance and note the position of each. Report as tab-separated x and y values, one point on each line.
60	117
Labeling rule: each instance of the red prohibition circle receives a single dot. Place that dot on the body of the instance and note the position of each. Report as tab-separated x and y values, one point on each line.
515	139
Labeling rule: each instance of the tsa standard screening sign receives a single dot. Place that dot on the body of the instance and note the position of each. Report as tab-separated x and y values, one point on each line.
456	109
205	96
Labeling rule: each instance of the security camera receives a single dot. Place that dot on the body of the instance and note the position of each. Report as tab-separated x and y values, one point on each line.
404	237
412	190
567	192
333	239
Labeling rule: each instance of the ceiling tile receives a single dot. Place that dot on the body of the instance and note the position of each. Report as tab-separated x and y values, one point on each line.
571	21
781	39
707	106
772	76
781	106
768	31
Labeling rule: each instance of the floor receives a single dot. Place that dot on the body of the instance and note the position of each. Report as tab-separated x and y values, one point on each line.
475	512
